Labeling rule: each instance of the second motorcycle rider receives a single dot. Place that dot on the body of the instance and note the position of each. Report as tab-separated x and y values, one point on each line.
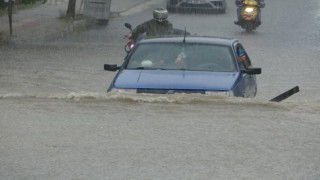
239	4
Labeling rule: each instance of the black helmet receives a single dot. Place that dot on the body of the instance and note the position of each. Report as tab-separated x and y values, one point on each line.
160	14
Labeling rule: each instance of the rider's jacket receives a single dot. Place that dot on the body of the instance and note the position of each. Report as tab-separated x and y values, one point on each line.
153	28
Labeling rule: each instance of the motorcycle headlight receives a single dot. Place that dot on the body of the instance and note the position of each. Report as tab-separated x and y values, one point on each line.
249	9
220	93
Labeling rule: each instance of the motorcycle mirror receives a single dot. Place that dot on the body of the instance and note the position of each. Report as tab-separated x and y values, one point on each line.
127	25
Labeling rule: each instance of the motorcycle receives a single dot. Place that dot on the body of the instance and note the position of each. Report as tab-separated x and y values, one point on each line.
249	15
131	41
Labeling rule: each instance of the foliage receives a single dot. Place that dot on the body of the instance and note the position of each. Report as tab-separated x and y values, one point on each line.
3	5
28	1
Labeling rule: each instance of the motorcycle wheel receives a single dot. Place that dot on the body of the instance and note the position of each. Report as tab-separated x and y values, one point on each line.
248	27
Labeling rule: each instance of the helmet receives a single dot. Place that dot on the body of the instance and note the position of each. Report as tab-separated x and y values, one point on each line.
160	14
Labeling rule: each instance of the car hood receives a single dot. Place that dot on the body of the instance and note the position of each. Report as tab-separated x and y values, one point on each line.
176	79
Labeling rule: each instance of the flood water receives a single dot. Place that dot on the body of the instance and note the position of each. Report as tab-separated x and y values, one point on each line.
58	122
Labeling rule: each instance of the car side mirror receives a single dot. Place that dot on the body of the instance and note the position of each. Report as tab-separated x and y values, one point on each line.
251	71
111	67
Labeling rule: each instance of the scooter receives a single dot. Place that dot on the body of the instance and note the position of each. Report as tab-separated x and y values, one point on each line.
249	15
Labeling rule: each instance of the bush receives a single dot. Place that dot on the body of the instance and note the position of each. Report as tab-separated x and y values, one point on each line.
28	1
3	5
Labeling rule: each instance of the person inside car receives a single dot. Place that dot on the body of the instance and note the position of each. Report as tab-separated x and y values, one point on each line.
241	57
180	60
157	26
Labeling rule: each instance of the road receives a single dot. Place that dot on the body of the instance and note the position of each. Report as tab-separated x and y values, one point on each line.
57	122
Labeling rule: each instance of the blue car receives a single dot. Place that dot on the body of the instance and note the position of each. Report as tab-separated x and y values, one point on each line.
192	64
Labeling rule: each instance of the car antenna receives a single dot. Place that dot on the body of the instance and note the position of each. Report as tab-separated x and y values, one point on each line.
185	34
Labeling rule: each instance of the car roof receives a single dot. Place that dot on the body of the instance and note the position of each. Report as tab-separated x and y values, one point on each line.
191	39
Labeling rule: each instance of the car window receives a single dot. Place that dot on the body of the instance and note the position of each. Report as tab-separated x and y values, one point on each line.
152	56
196	57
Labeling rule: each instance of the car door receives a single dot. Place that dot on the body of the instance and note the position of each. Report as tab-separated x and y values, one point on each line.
248	81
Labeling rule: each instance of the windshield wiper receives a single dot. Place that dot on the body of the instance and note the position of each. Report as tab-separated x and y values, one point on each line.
137	68
157	68
141	67
184	69
149	68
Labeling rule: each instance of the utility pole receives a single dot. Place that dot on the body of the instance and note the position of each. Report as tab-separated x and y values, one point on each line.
10	5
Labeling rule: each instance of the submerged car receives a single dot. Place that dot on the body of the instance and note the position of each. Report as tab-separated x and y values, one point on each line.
192	64
197	5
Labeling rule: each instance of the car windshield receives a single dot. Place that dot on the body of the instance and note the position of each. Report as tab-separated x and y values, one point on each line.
175	56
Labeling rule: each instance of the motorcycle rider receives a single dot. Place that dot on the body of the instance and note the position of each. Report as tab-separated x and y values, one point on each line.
157	26
239	4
